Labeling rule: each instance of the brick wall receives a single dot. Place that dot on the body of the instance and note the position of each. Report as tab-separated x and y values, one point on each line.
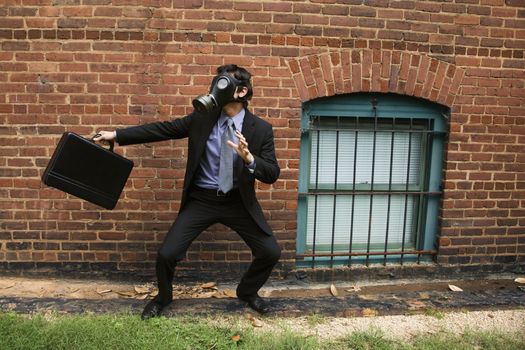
86	65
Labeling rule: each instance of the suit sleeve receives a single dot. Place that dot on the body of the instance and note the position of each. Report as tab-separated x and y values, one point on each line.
266	167
153	132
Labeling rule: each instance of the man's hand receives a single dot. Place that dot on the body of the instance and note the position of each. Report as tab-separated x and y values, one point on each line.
242	148
105	136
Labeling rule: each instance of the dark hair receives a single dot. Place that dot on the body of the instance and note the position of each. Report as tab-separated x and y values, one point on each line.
240	74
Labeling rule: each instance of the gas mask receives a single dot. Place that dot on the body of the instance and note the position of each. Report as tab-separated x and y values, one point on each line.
222	88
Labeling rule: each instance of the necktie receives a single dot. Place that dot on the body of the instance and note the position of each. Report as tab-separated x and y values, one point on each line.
226	159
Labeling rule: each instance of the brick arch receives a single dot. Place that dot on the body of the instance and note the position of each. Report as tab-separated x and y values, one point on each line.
367	70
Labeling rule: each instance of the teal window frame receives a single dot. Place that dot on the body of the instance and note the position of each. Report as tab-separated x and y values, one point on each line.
387	107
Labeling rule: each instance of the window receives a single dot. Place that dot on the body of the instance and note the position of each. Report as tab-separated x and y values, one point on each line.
370	179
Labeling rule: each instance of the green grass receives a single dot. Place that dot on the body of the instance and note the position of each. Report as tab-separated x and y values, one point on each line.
129	332
435	313
472	340
315	319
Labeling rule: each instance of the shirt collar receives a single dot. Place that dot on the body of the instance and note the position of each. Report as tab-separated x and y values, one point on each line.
238	119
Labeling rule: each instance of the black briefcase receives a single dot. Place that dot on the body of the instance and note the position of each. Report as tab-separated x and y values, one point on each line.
87	170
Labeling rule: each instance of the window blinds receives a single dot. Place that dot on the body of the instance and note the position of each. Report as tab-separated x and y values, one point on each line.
344	226
350	221
330	147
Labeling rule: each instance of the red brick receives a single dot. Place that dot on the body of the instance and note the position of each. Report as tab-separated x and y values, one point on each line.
11	23
47	11
467	19
83	11
307	8
363	11
277	6
366	67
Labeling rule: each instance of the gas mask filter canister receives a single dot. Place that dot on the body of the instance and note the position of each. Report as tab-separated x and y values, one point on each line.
221	92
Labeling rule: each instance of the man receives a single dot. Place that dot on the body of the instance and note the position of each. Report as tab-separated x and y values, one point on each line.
219	181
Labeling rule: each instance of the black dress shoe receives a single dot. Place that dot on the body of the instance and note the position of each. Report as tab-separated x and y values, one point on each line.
258	304
152	309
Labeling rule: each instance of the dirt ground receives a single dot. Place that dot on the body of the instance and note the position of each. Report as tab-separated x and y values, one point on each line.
394	326
98	289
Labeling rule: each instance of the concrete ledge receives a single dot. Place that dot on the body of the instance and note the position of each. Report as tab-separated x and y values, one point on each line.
144	272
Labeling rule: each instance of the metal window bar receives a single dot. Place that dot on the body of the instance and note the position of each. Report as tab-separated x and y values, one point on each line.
406	188
427	134
334	211
353	197
370	211
397	131
392	135
368	193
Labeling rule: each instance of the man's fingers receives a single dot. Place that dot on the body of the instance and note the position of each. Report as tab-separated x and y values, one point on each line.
242	139
104	136
239	135
232	145
241	148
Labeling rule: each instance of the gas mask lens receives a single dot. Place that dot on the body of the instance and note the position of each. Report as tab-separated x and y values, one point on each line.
221	92
222	83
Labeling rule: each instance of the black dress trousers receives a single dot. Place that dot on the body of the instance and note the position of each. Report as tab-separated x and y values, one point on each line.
205	208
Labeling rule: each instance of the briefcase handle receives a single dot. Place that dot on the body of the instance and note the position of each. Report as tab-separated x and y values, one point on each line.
111	142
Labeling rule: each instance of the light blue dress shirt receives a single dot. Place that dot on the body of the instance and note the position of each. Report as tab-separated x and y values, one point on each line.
208	174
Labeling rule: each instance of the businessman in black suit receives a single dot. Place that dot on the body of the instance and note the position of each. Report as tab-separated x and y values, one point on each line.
215	190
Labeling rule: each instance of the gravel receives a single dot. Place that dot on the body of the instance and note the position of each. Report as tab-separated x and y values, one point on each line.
405	327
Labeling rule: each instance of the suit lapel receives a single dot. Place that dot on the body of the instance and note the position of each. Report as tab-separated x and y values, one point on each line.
207	125
204	127
248	130
248	126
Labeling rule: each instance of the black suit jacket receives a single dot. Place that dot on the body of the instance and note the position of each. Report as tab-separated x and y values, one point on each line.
197	127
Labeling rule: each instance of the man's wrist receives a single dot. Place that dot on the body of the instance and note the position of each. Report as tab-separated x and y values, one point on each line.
251	166
249	159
